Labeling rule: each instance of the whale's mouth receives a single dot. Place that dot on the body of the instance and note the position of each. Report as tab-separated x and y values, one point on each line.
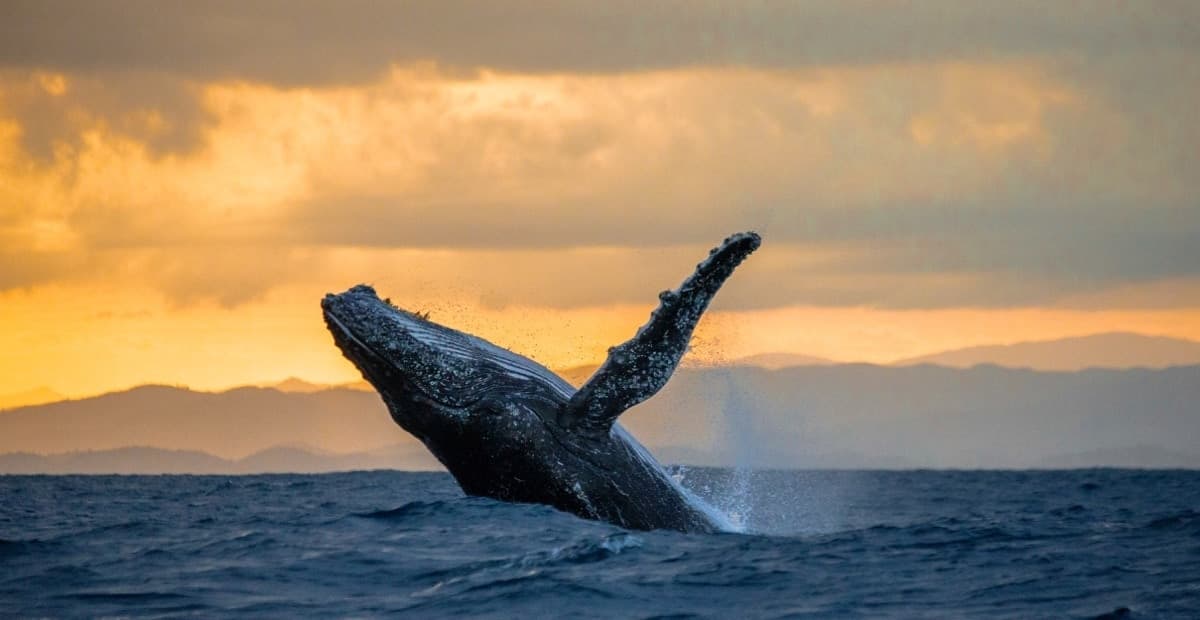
375	367
402	354
354	349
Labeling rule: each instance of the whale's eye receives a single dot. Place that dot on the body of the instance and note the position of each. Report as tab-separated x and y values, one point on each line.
491	407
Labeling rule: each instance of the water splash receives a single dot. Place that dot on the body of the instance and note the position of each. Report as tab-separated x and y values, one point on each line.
719	515
740	416
727	500
751	497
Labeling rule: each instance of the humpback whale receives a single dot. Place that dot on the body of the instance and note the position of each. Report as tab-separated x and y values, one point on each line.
507	428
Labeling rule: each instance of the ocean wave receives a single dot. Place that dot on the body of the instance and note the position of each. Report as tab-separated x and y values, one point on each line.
134	597
583	552
17	547
1188	521
407	511
892	544
468	508
481	576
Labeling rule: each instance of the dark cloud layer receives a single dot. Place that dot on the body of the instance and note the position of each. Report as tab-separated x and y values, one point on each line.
1099	191
1077	248
309	42
159	110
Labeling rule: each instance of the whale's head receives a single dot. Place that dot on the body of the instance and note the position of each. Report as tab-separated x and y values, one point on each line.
436	381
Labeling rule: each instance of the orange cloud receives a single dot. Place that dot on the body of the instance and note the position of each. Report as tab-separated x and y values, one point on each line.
419	157
546	210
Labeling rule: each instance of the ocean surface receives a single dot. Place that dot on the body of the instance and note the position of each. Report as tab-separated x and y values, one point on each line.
841	544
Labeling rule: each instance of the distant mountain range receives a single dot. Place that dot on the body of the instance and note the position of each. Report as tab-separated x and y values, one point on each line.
294	385
929	416
1108	350
230	425
843	416
1112	350
280	459
775	361
35	396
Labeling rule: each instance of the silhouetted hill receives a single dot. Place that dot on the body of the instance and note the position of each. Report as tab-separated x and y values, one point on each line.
808	416
293	384
1113	350
775	361
576	375
36	396
229	424
281	459
926	416
134	460
410	455
1129	457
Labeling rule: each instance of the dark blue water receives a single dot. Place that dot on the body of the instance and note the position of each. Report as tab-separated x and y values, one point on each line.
826	544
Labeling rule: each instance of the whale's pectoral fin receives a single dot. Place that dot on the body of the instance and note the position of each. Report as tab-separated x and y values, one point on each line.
637	369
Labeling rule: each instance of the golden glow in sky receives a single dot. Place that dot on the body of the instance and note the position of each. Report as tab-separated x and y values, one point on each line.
174	218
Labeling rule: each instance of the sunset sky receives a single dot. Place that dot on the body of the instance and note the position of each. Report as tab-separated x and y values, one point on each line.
181	182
